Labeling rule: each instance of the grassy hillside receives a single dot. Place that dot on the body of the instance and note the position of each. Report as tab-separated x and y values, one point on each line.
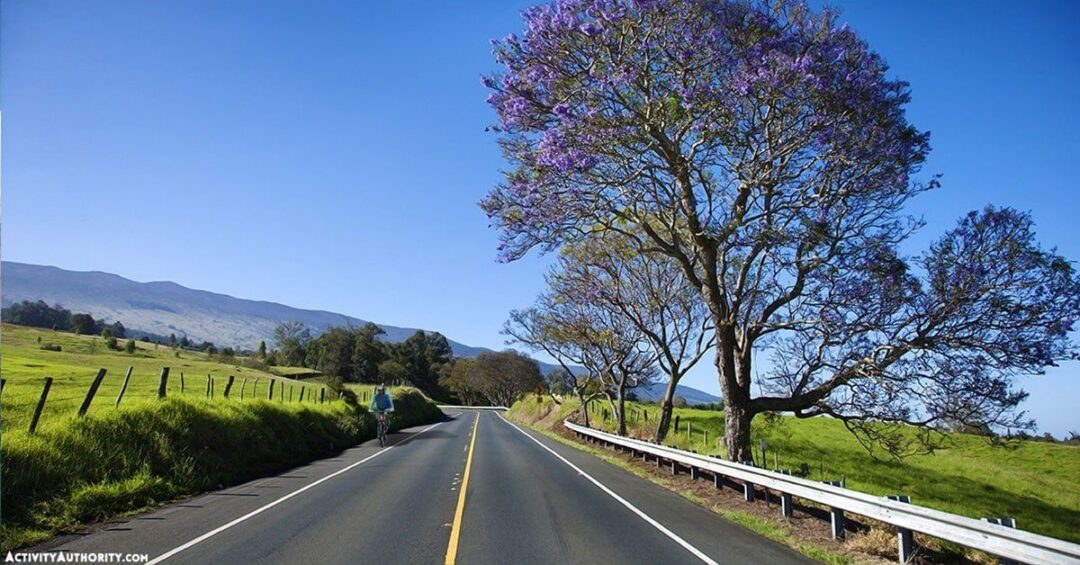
25	364
1036	483
117	460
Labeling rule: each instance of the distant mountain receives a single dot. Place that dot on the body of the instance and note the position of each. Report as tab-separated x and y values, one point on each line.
163	308
655	391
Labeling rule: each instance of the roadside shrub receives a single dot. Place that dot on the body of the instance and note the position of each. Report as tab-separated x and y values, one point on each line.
86	469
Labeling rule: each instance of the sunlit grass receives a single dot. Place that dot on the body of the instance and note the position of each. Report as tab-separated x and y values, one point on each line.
1035	482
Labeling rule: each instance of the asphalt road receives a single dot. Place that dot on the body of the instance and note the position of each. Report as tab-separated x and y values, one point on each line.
528	499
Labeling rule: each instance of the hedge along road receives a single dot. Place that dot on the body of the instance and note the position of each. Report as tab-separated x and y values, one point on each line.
528	499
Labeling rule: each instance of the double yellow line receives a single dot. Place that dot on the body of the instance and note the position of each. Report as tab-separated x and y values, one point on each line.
455	530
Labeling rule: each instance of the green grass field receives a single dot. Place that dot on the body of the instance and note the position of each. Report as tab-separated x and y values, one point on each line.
1037	483
25	364
121	460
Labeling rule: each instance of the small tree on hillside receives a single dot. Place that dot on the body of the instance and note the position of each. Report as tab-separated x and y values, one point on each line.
129	347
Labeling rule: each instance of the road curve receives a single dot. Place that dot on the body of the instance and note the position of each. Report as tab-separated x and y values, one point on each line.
528	500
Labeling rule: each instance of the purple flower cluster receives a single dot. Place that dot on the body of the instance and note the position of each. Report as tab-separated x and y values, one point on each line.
597	91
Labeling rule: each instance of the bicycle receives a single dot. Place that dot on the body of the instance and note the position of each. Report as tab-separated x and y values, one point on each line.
382	420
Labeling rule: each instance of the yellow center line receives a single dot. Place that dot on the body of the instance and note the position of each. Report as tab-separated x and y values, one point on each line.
455	531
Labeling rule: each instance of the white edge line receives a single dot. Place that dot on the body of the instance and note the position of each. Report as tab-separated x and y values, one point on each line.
674	537
262	509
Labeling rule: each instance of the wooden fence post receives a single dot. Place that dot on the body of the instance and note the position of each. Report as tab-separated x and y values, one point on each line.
208	386
2	383
243	385
255	387
228	386
270	395
40	404
290	393
91	392
301	393
322	395
181	383
164	382
123	387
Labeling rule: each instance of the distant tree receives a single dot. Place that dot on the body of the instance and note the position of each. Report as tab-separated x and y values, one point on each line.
368	353
118	330
210	348
262	350
83	324
422	356
228	352
460	380
560	382
679	401
112	343
649	291
392	372
38	315
332	353
106	332
272	358
292	339
129	347
504	376
172	340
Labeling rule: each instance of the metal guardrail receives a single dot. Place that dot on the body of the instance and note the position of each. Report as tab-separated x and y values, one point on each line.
992	538
452	407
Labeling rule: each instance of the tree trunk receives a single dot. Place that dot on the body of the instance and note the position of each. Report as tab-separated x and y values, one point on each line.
665	419
621	412
737	412
737	433
583	407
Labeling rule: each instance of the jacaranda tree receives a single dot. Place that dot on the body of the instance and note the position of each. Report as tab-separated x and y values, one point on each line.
766	150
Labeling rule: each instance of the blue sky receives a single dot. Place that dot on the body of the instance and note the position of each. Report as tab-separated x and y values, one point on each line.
330	155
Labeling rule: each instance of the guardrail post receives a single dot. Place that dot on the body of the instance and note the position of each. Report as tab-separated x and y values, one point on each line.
1008	523
40	404
836	519
163	381
123	387
748	487
836	515
674	467
718	480
787	507
228	386
91	392
695	474
905	541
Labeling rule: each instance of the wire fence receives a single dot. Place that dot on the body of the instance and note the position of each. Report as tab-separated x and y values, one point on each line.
27	403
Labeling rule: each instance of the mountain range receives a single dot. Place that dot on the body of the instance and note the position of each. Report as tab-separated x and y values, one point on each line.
163	308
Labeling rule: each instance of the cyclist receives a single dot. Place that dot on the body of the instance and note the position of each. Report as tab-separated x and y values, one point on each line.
381	404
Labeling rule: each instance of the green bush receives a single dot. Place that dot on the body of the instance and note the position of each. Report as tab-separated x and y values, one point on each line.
51	347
